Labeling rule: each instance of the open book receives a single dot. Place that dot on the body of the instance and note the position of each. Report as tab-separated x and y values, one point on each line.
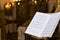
43	24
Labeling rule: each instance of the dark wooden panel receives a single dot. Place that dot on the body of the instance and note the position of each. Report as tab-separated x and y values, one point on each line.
2	25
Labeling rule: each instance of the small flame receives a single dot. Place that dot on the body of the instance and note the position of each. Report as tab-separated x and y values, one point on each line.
8	5
18	3
35	1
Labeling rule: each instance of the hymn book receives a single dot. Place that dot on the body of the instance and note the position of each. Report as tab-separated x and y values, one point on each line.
43	24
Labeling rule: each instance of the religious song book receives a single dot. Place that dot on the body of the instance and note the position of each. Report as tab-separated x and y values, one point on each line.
43	24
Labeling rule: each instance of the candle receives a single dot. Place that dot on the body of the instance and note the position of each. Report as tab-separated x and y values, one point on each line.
34	2
8	5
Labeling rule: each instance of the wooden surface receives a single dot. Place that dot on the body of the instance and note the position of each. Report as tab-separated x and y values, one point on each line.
2	25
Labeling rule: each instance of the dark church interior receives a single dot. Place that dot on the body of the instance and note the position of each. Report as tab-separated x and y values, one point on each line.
16	15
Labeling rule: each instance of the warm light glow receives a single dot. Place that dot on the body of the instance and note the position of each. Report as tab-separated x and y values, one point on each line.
35	1
32	0
16	0
12	0
13	4
8	6
19	0
18	3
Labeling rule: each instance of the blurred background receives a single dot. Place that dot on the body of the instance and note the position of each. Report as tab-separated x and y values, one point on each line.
15	16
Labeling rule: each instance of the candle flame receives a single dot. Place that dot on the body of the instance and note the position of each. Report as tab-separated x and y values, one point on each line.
18	3
8	5
35	1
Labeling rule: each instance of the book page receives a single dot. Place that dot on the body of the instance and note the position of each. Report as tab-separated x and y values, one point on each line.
37	24
51	26
43	25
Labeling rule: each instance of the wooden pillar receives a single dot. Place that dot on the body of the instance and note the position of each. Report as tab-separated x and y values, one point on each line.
2	25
